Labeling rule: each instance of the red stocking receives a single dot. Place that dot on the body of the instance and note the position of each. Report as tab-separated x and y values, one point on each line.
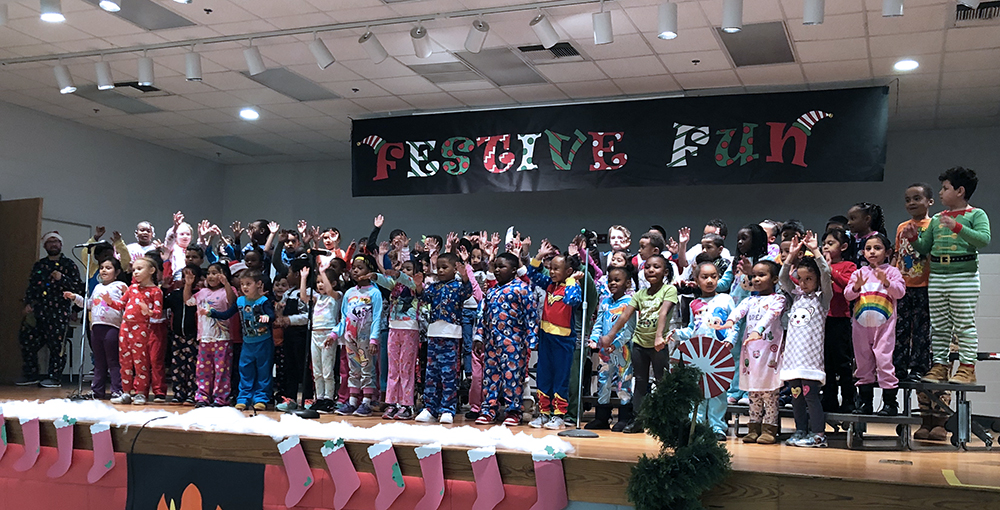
32	446
104	452
433	473
64	440
390	479
297	468
345	477
550	480
489	485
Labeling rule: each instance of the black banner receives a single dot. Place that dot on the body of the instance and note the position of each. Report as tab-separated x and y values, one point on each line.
161	482
821	136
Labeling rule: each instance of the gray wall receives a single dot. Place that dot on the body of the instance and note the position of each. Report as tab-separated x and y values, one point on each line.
90	176
323	191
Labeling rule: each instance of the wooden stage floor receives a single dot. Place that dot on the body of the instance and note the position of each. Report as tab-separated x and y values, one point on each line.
762	473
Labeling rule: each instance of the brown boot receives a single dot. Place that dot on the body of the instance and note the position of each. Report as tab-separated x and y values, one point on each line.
926	424
937	374
966	374
768	435
753	434
938	432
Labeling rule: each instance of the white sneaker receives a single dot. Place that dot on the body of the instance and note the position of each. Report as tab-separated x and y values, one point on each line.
139	400
538	422
425	416
446	418
121	398
556	423
745	401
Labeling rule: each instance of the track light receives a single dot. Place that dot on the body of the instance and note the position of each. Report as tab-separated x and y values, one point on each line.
373	47
421	43
732	16
192	66
477	36
603	33
544	31
52	11
145	71
892	8
183	1
321	53
64	80
812	12
3	14
255	63
668	21
111	5
104	79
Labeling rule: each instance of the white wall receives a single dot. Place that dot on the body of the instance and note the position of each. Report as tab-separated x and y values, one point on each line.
90	176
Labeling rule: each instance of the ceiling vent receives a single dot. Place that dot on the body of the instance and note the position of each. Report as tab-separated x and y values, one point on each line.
285	82
988	13
133	89
758	44
148	15
446	72
501	66
561	52
114	99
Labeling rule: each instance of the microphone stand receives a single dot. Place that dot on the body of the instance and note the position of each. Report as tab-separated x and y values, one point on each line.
301	410
579	431
85	338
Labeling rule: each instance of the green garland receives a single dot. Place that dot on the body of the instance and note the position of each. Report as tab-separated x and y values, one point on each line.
698	462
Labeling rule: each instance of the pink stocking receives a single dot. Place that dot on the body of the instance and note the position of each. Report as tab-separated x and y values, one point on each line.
390	479
433	473
32	446
297	468
341	467
550	480
489	485
104	452
64	440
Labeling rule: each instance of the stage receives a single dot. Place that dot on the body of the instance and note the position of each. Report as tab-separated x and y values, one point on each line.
597	470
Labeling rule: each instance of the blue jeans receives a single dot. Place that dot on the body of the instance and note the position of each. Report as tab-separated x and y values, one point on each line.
469	316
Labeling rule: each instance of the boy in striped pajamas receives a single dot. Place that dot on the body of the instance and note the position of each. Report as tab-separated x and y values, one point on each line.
952	240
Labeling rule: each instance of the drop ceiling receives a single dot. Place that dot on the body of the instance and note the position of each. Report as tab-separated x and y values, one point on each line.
956	85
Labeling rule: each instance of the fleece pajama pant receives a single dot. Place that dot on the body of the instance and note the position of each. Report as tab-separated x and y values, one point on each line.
323	359
213	372
133	355
256	364
403	346
46	333
913	336
104	344
158	357
953	299
441	382
362	367
764	406
183	366
506	363
873	354
555	357
616	375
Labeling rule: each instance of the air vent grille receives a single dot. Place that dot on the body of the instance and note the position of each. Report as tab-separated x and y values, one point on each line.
987	11
561	52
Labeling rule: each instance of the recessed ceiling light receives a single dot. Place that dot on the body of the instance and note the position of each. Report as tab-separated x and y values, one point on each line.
249	114
52	11
111	5
907	64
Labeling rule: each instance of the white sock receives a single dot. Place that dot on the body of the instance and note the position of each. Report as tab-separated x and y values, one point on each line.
367	400
354	401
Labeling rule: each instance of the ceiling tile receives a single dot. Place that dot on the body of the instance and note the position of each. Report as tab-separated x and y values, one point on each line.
972	38
383	104
914	19
570	71
910	125
207	115
929	64
688	39
338	107
482	97
294	110
838	26
793	8
586	89
646	18
969	96
647	84
389	68
824	51
971	60
965	79
581	26
261	96
431	101
783	74
356	89
632	67
707	80
754	11
628	45
904	45
534	93
216	99
407	85
714	60
845	70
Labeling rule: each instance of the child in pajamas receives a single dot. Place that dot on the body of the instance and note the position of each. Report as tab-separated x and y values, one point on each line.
444	337
141	304
616	372
404	339
215	348
507	332
326	315
358	331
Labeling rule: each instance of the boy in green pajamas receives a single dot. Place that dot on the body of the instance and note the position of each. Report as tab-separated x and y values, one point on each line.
952	240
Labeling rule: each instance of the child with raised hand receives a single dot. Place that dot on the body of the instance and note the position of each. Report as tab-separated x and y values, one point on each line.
444	337
709	308
215	348
358	331
325	316
183	338
953	240
105	323
176	241
649	347
141	304
802	366
616	369
761	351
876	286
864	220
404	339
257	355
505	336
557	332
838	350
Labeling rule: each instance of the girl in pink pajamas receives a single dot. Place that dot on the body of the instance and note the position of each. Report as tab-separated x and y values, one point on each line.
876	287
404	340
141	304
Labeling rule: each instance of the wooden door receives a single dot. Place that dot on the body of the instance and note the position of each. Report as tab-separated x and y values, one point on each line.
20	233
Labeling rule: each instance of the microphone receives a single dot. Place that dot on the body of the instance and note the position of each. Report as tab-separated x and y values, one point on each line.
90	245
319	251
